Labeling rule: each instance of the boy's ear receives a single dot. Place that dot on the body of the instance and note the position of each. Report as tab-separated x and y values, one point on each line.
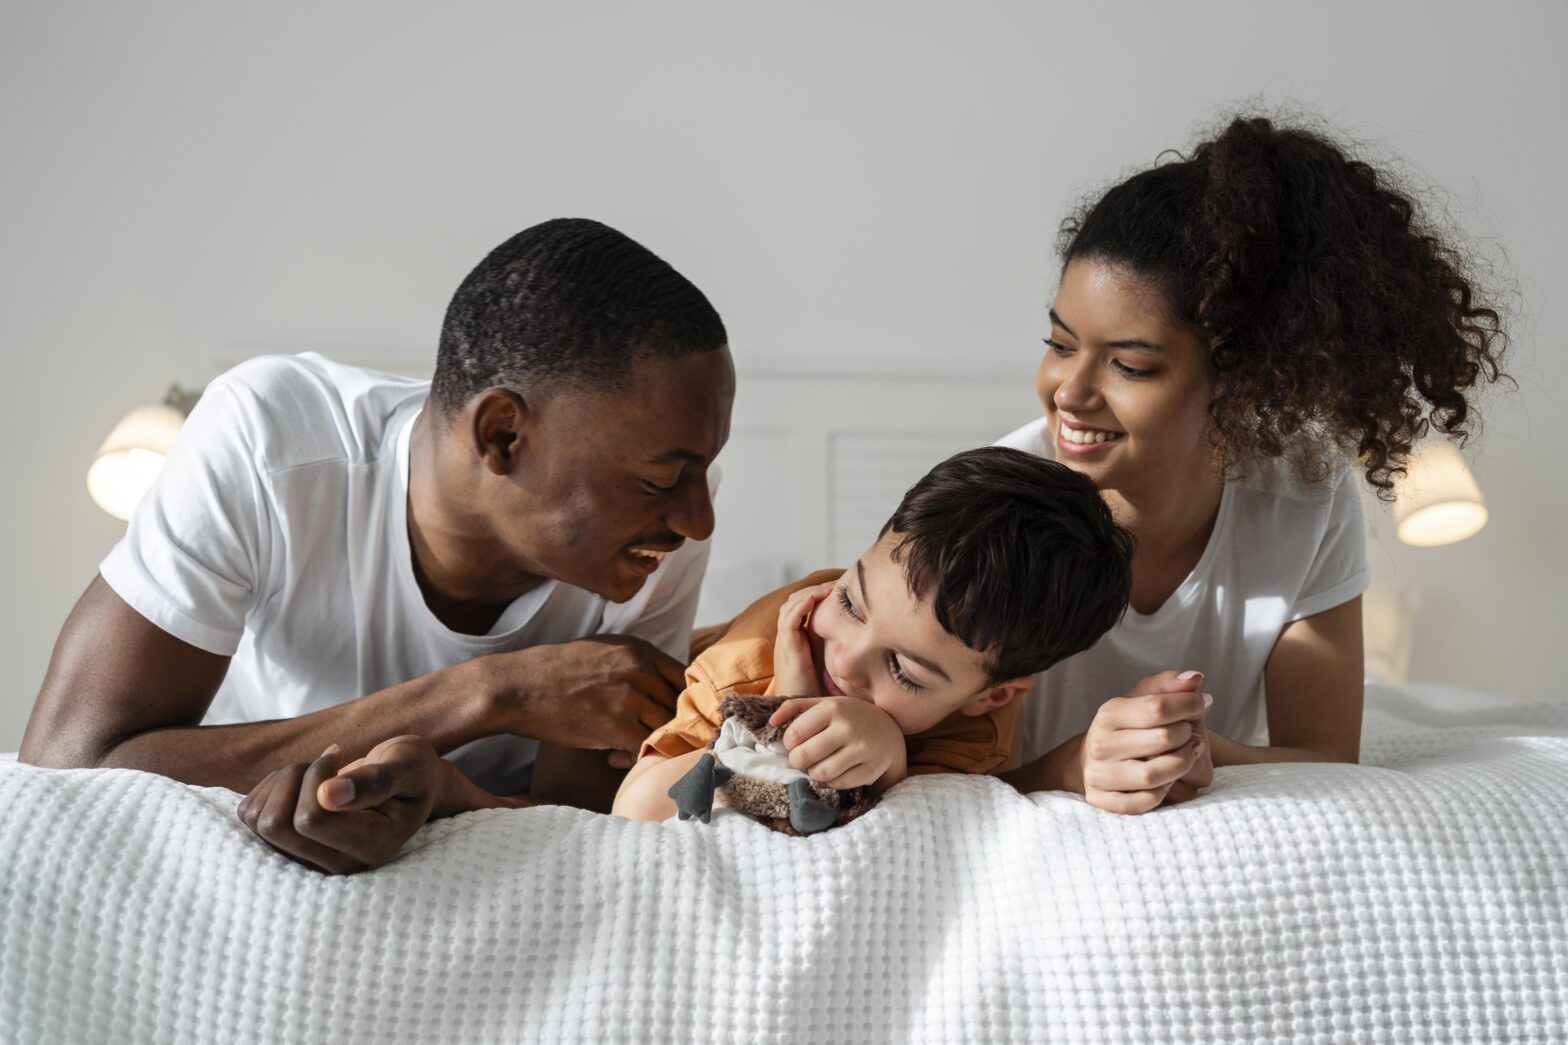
999	695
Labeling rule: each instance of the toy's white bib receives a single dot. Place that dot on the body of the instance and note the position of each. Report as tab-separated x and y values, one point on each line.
737	748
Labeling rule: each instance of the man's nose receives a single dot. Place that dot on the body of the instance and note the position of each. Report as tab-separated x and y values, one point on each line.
692	516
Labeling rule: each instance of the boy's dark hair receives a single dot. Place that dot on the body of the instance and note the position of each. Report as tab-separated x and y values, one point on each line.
568	301
1019	555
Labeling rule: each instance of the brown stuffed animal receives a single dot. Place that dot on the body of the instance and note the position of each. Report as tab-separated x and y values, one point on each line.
747	768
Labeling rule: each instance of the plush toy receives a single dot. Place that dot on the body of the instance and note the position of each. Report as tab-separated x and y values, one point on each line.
746	768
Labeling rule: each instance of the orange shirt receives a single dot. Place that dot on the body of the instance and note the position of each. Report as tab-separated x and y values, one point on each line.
741	661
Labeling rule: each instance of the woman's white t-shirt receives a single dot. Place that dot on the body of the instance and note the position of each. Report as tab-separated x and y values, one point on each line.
277	535
1281	549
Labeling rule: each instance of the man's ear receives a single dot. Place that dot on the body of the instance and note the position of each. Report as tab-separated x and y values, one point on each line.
999	695
499	417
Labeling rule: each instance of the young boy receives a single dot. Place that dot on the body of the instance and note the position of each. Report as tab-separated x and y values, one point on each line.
996	565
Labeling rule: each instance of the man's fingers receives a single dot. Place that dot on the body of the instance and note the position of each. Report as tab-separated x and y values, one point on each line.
668	670
652	714
307	809
275	825
395	774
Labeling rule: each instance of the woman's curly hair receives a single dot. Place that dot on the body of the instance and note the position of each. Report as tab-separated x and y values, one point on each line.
1335	317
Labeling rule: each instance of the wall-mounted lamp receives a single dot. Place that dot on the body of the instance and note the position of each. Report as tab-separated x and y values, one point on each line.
129	460
1438	500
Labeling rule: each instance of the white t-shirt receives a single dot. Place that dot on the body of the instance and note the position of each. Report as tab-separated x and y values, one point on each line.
1282	549
277	535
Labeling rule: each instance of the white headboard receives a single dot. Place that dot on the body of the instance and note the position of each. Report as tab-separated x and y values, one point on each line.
817	462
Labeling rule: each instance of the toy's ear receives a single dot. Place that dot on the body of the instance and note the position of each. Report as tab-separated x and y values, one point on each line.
999	695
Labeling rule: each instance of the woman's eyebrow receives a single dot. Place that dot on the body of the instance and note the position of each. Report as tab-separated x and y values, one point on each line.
1131	342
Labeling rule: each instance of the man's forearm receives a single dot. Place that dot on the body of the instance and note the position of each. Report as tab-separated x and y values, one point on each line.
449	707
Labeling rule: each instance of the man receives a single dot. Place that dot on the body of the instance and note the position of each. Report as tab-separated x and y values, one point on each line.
332	556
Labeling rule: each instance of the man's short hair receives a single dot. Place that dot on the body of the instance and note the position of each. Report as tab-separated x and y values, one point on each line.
569	302
1019	555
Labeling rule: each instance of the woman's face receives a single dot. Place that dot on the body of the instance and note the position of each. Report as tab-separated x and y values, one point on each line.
1125	388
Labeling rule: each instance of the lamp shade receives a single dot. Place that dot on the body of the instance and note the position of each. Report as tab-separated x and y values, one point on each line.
1438	501
129	460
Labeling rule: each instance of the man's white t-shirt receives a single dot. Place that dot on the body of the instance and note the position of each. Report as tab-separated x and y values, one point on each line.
277	535
1282	549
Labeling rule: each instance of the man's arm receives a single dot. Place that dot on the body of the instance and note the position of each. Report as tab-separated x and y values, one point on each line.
120	691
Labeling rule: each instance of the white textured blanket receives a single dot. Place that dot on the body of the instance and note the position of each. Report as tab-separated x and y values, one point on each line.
1422	897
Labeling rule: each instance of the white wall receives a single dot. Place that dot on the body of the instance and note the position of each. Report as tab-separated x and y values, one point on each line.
871	185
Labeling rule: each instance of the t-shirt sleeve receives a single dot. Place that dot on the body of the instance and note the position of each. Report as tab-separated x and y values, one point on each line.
965	743
194	555
1339	569
696	720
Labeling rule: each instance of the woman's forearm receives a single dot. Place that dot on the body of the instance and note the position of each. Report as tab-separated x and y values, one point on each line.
1227	752
1060	769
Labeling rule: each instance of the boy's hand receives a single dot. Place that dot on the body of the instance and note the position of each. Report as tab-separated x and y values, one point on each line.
843	742
794	672
1144	748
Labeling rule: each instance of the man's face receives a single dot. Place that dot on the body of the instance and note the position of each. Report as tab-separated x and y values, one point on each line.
606	482
873	640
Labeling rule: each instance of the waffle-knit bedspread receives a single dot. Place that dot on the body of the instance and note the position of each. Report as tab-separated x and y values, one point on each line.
1422	896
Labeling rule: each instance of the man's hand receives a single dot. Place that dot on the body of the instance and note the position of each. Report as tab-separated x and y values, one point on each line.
606	693
349	820
1149	747
843	742
794	672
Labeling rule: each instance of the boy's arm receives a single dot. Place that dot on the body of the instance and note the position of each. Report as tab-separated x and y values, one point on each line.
645	793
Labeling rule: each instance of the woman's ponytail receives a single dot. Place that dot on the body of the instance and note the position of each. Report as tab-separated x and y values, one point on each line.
1332	315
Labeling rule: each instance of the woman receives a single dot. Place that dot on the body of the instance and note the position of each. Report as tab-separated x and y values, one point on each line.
1228	328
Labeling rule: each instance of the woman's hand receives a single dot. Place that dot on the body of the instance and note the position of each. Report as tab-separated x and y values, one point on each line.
1148	748
843	742
794	672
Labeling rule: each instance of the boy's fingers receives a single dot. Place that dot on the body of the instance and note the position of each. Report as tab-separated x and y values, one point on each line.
789	709
806	725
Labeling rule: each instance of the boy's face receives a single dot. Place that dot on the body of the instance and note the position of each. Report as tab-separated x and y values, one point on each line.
871	639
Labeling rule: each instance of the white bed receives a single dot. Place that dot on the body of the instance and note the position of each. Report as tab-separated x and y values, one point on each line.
1420	897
